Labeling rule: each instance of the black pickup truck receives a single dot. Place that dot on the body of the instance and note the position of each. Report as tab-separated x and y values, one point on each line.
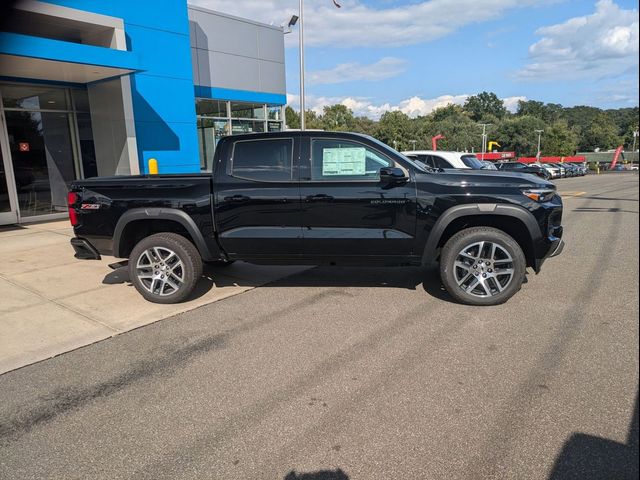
320	198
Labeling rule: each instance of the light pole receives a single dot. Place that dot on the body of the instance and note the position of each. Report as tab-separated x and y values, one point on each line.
539	132
301	34
484	137
635	135
413	142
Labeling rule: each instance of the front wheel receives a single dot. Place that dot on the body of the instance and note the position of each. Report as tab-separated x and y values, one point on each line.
165	267
482	266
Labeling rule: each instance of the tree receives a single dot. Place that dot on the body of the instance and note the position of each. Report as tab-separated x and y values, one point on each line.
337	118
395	129
292	118
559	140
518	134
485	103
602	133
550	112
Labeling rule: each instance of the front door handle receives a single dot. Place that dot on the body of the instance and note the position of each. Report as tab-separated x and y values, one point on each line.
321	197
237	199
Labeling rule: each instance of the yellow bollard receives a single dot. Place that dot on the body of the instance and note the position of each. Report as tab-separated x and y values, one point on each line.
153	166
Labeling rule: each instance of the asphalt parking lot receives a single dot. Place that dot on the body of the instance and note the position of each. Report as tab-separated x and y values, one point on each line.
346	373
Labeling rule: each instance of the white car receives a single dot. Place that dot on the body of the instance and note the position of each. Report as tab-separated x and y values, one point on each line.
444	159
554	170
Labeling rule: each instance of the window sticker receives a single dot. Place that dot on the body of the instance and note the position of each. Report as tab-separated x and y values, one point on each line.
344	161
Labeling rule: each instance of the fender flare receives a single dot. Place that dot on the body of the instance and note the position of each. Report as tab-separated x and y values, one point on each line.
171	214
449	215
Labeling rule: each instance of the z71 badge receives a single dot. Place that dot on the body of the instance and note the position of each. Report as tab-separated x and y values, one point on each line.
90	206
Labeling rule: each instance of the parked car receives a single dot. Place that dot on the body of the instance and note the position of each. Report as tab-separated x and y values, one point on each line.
553	169
572	170
487	165
445	159
634	167
345	199
532	168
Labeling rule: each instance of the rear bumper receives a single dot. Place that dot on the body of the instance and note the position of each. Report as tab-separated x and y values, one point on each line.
84	250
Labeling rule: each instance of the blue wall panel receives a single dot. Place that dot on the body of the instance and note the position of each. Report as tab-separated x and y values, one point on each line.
163	98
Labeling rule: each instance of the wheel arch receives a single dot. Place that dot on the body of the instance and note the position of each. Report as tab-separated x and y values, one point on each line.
139	223
515	221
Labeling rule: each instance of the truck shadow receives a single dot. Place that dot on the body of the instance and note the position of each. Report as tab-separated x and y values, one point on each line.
597	458
247	275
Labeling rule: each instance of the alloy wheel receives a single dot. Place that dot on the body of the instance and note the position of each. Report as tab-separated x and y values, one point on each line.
483	269
160	271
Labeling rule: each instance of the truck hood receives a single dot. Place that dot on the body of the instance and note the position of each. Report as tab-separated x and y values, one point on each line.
491	178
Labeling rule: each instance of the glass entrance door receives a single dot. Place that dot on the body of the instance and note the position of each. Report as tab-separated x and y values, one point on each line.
8	213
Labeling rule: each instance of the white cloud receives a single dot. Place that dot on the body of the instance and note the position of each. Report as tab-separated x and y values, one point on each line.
360	25
604	43
387	67
413	107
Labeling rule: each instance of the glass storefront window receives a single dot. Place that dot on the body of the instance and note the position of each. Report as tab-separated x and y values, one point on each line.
246	126
80	100
87	148
274	113
247	110
274	126
245	118
210	131
42	158
50	144
211	108
32	97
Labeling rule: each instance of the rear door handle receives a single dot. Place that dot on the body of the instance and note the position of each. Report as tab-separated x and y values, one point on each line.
321	197
237	198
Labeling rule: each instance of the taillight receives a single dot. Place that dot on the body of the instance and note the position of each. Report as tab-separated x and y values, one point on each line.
72	199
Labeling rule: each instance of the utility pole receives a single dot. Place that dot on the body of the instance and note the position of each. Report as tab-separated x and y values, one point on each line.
539	132
635	135
484	138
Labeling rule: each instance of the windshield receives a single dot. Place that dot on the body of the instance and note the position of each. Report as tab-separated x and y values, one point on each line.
472	161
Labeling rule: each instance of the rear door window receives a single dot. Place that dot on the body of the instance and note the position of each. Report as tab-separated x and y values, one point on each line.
263	160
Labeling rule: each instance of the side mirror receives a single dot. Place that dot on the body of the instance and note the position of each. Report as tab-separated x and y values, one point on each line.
392	175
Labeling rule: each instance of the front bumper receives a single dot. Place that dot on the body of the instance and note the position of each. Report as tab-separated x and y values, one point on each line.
84	250
559	247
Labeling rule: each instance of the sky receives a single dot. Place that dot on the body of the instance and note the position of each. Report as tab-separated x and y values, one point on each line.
415	56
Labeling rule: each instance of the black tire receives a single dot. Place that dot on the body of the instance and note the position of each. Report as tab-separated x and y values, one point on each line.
189	269
472	236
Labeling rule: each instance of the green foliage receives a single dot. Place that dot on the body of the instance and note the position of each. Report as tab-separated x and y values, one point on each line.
518	135
338	118
483	104
395	129
560	140
292	117
566	130
602	133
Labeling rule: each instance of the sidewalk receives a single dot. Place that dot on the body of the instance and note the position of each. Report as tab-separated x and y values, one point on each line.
51	303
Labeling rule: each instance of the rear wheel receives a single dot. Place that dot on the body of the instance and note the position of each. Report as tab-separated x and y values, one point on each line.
165	267
482	266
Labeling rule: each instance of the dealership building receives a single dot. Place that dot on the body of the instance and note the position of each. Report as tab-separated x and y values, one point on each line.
94	87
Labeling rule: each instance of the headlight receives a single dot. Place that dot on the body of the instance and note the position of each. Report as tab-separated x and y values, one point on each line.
540	194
